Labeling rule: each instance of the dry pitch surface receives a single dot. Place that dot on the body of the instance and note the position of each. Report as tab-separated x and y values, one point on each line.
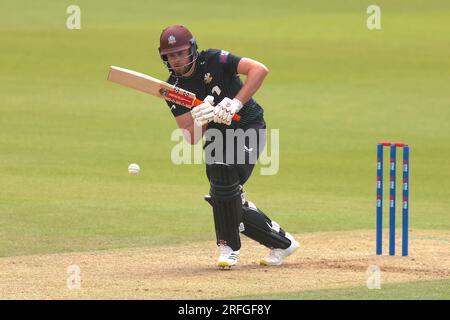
324	261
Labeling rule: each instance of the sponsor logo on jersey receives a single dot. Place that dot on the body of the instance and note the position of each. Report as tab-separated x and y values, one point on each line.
223	56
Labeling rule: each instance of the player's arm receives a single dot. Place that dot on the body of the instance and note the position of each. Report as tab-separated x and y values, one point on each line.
255	72
193	132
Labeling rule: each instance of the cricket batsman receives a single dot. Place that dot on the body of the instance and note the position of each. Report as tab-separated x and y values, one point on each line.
213	75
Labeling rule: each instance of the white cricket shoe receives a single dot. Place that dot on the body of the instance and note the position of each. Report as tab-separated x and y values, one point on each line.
228	257
276	256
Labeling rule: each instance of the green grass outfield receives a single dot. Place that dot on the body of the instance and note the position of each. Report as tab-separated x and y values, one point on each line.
334	89
428	290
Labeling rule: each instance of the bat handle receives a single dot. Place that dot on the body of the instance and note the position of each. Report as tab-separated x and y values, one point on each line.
236	117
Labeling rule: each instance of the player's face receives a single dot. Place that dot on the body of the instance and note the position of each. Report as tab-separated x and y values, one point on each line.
180	61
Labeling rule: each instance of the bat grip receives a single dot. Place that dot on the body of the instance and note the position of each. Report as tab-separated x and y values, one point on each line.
236	117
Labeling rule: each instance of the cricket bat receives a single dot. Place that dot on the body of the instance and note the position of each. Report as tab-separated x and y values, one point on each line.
155	87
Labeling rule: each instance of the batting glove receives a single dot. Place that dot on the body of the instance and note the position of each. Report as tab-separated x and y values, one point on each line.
226	109
204	113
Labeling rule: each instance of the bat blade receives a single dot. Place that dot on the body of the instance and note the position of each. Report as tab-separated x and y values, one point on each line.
155	87
135	80
150	85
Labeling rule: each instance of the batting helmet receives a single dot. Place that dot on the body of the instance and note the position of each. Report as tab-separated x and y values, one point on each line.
177	38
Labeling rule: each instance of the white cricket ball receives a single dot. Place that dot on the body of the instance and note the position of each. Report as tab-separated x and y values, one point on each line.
134	168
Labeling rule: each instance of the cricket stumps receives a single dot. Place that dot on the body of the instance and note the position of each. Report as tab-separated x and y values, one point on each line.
392	197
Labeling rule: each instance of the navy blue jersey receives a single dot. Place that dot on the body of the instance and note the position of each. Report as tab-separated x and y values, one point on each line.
216	74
